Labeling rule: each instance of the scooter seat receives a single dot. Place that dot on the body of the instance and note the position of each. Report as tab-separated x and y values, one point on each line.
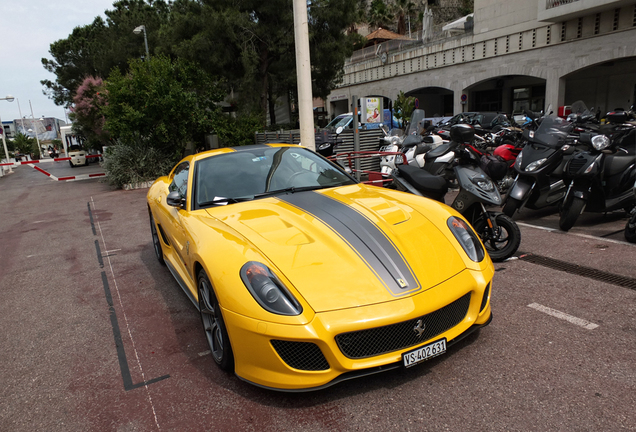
438	151
428	184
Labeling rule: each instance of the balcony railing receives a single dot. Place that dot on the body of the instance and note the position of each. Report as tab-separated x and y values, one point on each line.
549	4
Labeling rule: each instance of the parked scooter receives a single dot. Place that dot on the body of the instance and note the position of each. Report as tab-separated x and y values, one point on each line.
602	177
499	233
414	144
539	166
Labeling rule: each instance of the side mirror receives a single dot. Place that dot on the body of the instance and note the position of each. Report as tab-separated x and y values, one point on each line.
174	199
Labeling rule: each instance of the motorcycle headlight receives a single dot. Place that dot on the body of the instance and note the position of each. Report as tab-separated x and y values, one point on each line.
532	166
395	140
268	290
600	142
518	161
467	238
484	183
324	146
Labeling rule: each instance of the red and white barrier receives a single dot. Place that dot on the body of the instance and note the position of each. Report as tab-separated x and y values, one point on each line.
34	163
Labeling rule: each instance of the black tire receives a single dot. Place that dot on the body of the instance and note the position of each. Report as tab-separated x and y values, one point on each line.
630	229
511	206
214	325
570	211
71	164
505	241
156	241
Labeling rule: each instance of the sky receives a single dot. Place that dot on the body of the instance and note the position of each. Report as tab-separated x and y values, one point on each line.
27	29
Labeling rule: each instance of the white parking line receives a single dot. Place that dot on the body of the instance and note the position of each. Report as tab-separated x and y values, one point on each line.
562	315
575	234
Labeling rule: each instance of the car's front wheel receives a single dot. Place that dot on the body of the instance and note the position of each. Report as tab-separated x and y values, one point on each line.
214	325
156	242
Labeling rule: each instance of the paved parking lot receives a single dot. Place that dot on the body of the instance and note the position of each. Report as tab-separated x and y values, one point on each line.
97	336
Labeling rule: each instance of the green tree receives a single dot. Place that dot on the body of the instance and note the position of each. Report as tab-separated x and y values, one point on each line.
403	9
403	107
26	145
95	49
379	15
163	104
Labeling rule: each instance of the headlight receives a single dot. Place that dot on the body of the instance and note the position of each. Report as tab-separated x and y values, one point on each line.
600	142
467	238
536	164
484	183
324	146
395	140
518	161
268	291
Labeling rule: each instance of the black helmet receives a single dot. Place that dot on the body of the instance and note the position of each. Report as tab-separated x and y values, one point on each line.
462	133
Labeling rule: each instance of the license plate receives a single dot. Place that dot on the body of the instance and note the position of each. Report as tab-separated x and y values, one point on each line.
424	353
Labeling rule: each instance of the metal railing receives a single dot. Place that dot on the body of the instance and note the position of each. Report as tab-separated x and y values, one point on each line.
549	4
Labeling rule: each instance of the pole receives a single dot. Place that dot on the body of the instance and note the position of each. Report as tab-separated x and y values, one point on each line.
146	43
6	152
356	134
21	118
37	138
303	74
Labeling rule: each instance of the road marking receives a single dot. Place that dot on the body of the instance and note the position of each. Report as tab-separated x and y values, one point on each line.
562	315
576	234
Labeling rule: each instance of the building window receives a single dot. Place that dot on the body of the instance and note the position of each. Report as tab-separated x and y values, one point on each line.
528	98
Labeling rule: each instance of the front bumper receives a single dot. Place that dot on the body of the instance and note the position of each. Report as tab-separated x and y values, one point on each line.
262	349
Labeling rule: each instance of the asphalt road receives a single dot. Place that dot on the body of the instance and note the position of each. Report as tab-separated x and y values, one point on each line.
97	336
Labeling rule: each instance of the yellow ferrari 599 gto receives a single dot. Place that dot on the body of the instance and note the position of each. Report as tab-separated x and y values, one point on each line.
305	277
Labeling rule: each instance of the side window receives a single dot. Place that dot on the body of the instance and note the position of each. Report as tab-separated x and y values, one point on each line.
180	179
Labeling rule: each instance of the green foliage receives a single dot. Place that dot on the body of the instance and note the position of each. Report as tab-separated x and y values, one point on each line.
25	144
134	163
237	131
403	107
97	48
162	104
379	14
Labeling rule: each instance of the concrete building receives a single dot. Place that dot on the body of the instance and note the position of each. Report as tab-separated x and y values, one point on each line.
512	55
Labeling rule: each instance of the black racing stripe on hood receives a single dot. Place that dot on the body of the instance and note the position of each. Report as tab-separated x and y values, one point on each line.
365	237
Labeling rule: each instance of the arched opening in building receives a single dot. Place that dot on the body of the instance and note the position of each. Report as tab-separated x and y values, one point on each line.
435	101
605	86
510	94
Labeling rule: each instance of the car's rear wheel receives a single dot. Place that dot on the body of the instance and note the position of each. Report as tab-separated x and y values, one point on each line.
214	325
156	241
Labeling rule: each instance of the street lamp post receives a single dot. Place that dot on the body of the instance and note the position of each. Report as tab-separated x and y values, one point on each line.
37	138
137	30
9	98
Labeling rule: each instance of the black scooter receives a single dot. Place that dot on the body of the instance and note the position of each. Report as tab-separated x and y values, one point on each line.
602	177
499	233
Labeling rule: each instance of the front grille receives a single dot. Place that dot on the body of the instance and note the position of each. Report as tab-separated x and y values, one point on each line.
301	355
381	340
576	163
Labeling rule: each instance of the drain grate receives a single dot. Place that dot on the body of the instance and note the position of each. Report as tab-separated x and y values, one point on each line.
588	272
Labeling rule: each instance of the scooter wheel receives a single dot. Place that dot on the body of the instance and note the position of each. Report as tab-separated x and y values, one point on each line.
504	241
570	212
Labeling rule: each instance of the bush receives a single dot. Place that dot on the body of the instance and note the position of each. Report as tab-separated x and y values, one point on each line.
135	163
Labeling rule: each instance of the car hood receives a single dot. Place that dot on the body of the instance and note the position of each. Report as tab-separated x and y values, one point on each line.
349	246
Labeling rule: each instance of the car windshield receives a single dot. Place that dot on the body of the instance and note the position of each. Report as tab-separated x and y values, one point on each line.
339	121
256	172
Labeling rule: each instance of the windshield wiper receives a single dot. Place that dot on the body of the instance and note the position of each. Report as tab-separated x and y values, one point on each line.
223	201
291	189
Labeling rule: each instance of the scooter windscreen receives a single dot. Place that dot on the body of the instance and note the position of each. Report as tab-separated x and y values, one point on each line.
551	132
